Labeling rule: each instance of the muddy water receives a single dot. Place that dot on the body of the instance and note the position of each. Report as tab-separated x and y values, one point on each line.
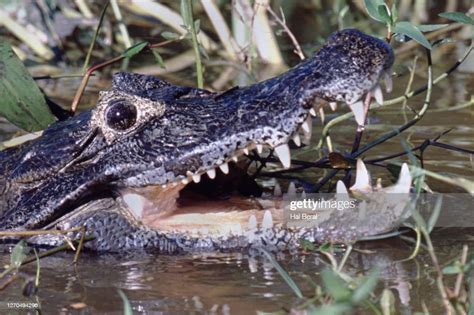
241	284
219	283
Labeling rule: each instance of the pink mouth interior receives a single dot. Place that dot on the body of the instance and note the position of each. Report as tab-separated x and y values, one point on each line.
174	209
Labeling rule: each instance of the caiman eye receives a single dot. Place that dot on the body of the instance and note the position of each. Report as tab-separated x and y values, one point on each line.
120	115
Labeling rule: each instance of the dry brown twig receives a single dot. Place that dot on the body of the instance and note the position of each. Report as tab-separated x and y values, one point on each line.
282	22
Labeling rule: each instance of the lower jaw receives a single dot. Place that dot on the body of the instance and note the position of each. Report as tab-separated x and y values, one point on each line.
196	216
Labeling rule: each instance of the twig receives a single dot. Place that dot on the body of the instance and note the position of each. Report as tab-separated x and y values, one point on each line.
80	245
460	277
190	25
94	37
282	22
85	79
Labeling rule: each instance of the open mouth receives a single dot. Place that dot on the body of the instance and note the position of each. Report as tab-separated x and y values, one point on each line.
191	205
185	210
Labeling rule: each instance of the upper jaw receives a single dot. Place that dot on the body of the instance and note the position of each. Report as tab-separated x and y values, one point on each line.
241	120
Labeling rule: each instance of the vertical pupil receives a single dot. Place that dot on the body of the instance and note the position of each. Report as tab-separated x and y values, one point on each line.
121	115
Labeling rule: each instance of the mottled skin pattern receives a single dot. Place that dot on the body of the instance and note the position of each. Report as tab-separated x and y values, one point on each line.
81	163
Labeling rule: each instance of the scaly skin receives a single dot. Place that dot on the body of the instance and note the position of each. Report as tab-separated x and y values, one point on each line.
77	171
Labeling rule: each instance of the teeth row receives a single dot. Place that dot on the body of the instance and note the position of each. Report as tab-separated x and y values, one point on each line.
362	183
282	151
267	221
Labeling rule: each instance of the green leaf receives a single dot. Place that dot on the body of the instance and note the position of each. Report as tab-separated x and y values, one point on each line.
19	253
21	101
335	286
186	13
325	247
203	52
410	30
307	245
135	49
384	14
431	27
453	269
169	35
394	12
197	26
458	17
363	290
372	7
158	58
435	214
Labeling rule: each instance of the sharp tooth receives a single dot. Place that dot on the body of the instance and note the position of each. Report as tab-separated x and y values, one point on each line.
277	190
323	116
291	190
359	112
196	178
189	174
252	222
387	77
185	181
297	140
403	184
405	177
267	222
283	152
333	106
224	168
377	93
235	158
163	186
362	182
211	173
378	184
237	229
341	188
307	125
174	184
303	194
259	148
312	112
246	151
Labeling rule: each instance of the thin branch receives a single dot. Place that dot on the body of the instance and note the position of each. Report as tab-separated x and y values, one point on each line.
282	22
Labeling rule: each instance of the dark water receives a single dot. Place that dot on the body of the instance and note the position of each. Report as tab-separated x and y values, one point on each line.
222	283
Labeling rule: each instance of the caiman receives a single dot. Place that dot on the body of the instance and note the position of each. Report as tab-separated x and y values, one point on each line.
121	169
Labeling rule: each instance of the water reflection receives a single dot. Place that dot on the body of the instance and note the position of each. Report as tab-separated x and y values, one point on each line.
226	283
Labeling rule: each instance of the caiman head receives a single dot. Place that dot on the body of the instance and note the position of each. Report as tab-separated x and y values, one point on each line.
121	167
